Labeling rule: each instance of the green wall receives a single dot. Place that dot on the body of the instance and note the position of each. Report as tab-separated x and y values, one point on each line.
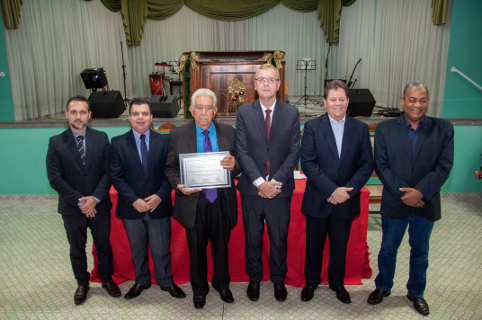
6	101
23	156
461	98
24	151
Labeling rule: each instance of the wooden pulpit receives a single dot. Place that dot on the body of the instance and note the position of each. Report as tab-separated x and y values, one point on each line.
216	69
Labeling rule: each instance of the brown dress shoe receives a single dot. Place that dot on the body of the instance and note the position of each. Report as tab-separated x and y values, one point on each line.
112	289
81	294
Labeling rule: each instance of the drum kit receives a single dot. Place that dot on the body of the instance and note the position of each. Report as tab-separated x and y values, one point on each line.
159	79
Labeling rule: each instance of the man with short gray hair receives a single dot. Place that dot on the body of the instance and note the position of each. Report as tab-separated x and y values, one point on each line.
207	214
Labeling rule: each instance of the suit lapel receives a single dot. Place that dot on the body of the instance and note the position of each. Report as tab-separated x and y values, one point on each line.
89	151
276	118
259	118
70	141
404	140
131	145
347	137
329	136
191	138
427	124
152	146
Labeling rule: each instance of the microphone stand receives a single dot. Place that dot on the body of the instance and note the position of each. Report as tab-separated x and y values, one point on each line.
124	72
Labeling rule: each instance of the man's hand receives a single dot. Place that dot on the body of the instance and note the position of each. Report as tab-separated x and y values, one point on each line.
412	197
331	200
187	192
340	195
141	205
228	162
88	207
268	189
153	201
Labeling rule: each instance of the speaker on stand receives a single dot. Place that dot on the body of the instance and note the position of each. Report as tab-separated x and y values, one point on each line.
361	103
106	104
164	106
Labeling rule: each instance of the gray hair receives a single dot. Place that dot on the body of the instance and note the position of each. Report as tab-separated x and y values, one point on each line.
416	85
267	66
204	92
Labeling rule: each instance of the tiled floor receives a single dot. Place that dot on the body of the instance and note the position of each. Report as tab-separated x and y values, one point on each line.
36	280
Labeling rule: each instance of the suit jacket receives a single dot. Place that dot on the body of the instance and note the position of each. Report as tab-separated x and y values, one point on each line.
327	171
427	171
183	140
71	179
130	180
254	147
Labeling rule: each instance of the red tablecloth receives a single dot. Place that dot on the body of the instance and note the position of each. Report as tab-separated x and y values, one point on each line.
357	262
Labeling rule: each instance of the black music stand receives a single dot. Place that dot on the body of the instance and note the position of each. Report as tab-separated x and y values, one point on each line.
306	65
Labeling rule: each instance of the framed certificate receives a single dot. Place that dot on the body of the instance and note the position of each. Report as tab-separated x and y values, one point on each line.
204	170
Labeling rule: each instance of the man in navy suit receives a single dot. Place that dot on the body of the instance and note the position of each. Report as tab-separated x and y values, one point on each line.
413	158
336	157
78	169
137	164
268	139
209	214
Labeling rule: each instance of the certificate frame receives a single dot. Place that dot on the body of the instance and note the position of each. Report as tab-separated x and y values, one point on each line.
203	170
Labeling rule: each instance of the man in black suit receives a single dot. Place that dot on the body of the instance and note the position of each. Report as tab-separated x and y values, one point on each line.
205	218
336	157
267	140
413	158
78	169
137	165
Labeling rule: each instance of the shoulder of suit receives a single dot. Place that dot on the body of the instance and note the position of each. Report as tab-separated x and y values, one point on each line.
224	126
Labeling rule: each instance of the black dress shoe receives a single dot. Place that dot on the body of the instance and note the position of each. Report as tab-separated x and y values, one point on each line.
112	289
226	296
419	304
199	301
253	291
175	291
308	292
280	292
342	295
136	290
81	294
377	296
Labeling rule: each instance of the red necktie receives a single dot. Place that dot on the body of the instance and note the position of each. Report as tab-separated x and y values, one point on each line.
267	122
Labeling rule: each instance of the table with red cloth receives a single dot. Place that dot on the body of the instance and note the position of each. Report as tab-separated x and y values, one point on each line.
357	262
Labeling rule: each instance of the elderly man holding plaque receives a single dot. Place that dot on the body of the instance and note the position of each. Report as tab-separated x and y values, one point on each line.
205	200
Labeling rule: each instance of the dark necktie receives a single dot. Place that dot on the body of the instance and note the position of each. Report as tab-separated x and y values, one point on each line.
267	122
144	152
80	147
211	194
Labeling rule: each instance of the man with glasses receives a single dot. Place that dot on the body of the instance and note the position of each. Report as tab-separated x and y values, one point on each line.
268	139
413	158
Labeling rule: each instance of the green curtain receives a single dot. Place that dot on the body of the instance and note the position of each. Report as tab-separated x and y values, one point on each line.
11	13
137	18
329	16
163	9
301	5
230	10
439	11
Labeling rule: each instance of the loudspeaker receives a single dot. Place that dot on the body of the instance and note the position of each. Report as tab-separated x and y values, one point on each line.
361	103
164	106
106	104
94	78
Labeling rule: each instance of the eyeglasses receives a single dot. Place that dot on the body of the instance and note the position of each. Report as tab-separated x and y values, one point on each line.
270	80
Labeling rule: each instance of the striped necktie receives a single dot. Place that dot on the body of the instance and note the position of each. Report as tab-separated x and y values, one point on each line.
80	147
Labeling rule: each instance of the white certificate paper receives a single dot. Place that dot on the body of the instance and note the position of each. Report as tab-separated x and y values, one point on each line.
204	170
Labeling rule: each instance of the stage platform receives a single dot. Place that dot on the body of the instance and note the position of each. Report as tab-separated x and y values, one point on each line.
307	112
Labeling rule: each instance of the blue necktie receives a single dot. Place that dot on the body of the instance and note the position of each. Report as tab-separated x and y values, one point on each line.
144	152
211	194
